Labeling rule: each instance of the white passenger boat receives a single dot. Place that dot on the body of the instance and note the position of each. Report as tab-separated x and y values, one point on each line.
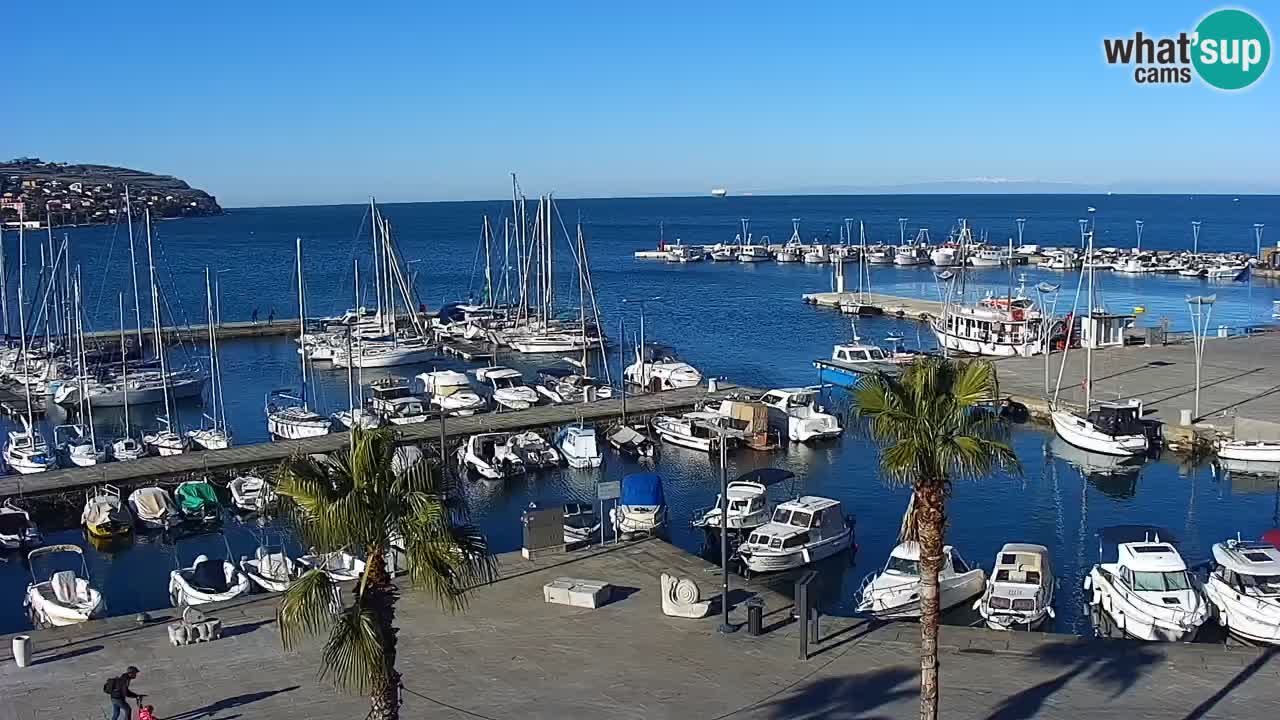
1110	428
154	509
994	326
641	508
817	254
506	387
1020	592
795	411
207	580
64	597
1147	592
748	504
491	456
1244	588
894	592
579	446
802	531
17	529
450	391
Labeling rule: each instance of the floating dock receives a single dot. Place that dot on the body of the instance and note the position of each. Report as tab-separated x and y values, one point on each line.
910	308
468	350
151	469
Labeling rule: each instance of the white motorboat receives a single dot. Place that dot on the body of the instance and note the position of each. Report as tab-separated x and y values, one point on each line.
894	592
394	399
206	581
1224	272
379	354
1110	428
631	442
251	493
1244	588
289	418
270	569
699	430
450	391
26	451
748	506
912	255
796	412
340	566
660	370
491	456
1249	450
104	516
506	387
560	386
641	508
850	361
360	417
680	253
1147	592
945	256
17	529
1020	592
578	445
988	257
751	253
77	446
581	523
165	441
154	509
127	448
63	597
534	450
802	531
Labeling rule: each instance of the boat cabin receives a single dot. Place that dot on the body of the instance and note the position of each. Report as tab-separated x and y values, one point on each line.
800	522
1022	564
395	398
857	353
790	398
501	378
1119	418
1152	567
905	560
1249	568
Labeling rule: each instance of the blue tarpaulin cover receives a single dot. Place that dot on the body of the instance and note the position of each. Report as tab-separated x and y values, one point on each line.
642	489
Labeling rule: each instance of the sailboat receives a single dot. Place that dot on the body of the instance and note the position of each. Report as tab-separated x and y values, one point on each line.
166	440
861	303
79	442
26	451
356	415
126	447
289	417
217	437
1113	428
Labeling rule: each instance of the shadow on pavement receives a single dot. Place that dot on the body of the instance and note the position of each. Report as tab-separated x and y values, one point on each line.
846	697
1203	708
228	703
86	650
1113	666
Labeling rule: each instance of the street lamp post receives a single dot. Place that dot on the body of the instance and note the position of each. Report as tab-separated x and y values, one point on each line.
725	627
1043	289
1199	325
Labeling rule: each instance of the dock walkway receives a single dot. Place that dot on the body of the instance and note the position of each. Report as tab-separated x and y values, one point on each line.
912	308
247	456
510	655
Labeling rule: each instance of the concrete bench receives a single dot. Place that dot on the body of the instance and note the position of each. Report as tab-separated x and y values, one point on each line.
577	593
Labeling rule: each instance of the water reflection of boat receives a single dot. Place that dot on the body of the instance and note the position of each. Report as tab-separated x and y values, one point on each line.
1114	476
1247	476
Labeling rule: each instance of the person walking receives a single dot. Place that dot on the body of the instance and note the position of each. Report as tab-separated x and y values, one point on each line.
271	315
118	689
255	316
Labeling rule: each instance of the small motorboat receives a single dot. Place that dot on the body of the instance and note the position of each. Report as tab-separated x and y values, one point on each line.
340	566
207	580
560	386
270	568
577	443
63	597
1244	588
450	392
534	451
630	442
699	430
17	530
251	493
105	517
1249	450
642	508
491	456
1113	428
198	501
127	448
506	387
748	506
1020	592
26	451
166	441
581	523
1146	593
154	509
801	531
394	399
657	369
894	592
796	412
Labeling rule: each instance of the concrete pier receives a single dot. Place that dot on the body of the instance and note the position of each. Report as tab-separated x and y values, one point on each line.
512	655
912	308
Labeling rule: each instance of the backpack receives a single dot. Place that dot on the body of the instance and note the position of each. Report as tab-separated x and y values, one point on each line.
109	687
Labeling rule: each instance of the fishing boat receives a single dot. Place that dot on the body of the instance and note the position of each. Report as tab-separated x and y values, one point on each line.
879	255
207	580
251	493
26	451
1244	588
752	253
748	506
630	443
492	456
154	509
340	566
64	597
1146	593
796	412
450	392
724	252
1020	593
802	531
104	516
1009	326
577	443
198	501
680	253
289	417
988	258
945	256
915	253
1060	259
507	388
793	251
641	508
581	523
17	529
894	592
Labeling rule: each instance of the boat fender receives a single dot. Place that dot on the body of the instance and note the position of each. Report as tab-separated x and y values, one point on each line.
804	553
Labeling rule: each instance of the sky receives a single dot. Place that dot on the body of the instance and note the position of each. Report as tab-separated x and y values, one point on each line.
278	103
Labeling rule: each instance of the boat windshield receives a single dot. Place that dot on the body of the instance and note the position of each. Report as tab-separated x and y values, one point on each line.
902	566
1161	581
507	383
797	518
1265	585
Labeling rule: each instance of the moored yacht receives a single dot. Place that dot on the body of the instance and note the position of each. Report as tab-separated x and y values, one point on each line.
450	391
748	506
492	456
1019	594
796	412
1109	428
26	451
801	531
894	592
506	387
394	399
289	418
579	446
641	508
1147	592
698	430
1244	588
659	369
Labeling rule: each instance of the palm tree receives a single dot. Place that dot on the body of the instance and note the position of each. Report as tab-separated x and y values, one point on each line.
932	429
361	500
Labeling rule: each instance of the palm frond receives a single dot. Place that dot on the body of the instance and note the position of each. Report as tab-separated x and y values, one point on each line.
306	608
352	657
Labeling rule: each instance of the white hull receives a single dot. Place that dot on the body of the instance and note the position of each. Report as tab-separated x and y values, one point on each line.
183	594
47	613
1135	619
283	426
389	357
638	521
114	395
1250	451
1081	433
987	348
775	560
1256	620
903	601
675	438
580	463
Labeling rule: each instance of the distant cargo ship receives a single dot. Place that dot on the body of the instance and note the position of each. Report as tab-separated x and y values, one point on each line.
719	192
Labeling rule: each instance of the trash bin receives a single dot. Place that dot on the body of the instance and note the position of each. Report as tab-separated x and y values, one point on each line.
755	616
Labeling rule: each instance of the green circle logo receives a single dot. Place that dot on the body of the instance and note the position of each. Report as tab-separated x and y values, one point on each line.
1232	49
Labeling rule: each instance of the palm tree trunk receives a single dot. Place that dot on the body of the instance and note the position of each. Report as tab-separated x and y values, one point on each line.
931	519
381	595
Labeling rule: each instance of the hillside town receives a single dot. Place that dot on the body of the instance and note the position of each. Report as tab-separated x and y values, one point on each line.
35	192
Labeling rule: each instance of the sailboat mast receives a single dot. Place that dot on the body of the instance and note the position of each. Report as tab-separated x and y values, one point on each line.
582	302
84	361
124	368
1088	318
488	265
377	265
155	317
133	272
351	371
302	325
4	287
213	349
22	317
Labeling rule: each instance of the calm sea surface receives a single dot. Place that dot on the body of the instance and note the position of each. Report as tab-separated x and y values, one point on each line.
744	322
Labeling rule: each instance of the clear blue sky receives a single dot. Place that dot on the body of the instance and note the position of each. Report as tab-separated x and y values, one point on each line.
271	103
